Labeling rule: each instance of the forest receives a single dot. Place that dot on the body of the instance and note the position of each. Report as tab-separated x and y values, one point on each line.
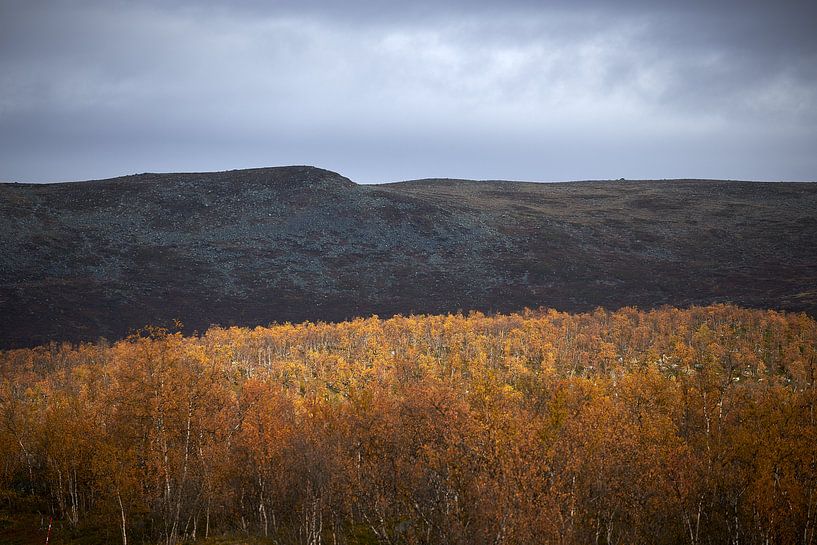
610	427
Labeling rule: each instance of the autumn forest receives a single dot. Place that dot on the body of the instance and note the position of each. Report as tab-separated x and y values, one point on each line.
668	426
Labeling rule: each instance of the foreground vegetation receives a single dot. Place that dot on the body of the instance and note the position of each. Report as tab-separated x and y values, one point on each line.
670	426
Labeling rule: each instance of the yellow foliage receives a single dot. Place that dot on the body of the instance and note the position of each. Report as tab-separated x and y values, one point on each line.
630	427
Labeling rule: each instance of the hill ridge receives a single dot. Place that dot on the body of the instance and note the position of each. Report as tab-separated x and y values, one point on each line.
306	172
253	246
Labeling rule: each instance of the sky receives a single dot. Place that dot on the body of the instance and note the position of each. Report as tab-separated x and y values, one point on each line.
393	90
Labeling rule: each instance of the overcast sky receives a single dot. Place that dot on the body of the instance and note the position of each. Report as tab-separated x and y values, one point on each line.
384	91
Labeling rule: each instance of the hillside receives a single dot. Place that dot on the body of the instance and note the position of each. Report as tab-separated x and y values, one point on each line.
88	259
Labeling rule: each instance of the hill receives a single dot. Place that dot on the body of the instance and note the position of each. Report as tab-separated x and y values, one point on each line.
82	260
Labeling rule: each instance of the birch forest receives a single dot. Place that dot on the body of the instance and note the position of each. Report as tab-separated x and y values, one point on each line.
668	426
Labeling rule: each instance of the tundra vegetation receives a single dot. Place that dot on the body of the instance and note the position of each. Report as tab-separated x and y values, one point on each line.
668	426
79	261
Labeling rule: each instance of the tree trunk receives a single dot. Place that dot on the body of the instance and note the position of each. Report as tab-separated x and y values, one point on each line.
122	514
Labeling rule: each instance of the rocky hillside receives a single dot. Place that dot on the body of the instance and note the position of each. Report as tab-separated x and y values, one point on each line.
88	259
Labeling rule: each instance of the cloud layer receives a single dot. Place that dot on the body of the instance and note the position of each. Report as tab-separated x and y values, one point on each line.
384	92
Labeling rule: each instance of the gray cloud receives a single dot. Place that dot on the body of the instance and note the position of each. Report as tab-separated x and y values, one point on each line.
386	91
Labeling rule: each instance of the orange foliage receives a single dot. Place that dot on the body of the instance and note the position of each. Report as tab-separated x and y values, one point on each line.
667	426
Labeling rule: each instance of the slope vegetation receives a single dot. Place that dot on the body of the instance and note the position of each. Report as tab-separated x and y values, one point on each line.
88	259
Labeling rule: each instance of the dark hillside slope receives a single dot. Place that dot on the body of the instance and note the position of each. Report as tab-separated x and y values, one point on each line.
89	259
